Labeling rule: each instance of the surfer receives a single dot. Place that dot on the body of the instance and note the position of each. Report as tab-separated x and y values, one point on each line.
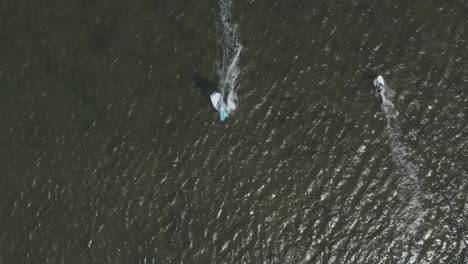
379	84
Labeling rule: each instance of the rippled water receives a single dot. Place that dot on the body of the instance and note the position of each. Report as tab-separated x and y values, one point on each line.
111	152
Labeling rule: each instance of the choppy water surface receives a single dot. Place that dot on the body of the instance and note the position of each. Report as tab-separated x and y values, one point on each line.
111	153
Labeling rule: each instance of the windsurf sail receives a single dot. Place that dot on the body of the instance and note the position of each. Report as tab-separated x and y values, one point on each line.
219	104
216	99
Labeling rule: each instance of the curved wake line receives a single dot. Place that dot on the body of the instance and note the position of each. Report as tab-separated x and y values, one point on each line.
228	69
230	80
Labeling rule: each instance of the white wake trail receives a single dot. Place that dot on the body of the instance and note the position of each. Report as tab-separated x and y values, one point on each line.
228	68
399	151
409	186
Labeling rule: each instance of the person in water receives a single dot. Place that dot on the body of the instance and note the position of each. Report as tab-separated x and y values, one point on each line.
379	84
379	88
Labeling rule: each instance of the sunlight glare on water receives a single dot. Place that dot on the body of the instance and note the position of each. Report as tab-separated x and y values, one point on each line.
112	152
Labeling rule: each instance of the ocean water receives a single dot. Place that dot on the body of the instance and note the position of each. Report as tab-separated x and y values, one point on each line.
110	151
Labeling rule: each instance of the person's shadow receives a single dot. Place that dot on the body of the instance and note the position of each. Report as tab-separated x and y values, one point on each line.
206	87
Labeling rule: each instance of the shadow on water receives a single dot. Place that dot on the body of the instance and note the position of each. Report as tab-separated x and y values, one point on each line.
205	86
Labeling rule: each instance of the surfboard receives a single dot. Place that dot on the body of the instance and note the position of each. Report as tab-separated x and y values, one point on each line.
218	104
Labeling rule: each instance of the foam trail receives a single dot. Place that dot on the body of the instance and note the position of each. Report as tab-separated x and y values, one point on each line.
409	185
228	69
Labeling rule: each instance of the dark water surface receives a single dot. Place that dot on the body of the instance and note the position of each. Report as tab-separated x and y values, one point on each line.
110	151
